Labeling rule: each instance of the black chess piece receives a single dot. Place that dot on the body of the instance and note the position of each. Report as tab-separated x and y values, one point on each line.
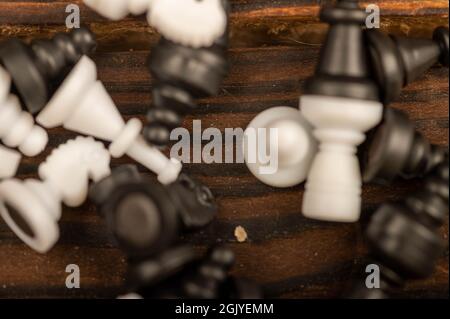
146	217
404	237
397	61
181	75
179	275
396	149
38	68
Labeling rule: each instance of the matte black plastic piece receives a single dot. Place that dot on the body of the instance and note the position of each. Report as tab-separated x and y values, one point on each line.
38	68
398	61
343	69
145	217
396	149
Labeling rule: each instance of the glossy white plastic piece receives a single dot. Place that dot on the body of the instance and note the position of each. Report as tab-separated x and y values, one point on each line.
17	127
195	23
83	105
295	144
333	190
65	176
118	9
9	162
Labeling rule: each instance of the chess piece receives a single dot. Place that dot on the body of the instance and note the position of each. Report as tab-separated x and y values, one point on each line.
404	237
83	105
118	9
398	61
17	128
190	22
146	217
293	144
9	162
194	23
181	74
32	208
37	68
396	149
341	102
179	274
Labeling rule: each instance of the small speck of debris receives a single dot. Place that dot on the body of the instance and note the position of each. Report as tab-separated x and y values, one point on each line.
240	234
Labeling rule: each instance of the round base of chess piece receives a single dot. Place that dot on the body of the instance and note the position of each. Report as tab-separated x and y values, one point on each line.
293	144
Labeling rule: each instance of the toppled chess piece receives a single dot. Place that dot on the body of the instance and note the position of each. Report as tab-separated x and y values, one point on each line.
37	68
32	208
179	274
9	162
195	23
342	103
17	128
293	146
83	105
396	149
398	61
404	237
181	74
146	217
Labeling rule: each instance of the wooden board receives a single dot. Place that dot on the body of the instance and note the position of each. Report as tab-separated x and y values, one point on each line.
274	47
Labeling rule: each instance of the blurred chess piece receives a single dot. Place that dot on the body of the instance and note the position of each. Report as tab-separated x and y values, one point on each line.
342	103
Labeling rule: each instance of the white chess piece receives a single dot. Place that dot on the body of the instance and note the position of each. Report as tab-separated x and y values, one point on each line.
333	189
195	23
294	146
118	9
9	162
17	128
32	208
83	105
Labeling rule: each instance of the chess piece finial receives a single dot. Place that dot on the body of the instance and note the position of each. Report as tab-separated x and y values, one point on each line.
396	149
37	68
398	61
294	146
341	102
83	105
32	208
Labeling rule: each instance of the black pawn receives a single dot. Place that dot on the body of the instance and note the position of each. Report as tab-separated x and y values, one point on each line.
343	69
38	68
398	61
395	149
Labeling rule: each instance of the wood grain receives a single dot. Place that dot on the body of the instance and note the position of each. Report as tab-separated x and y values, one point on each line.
274	47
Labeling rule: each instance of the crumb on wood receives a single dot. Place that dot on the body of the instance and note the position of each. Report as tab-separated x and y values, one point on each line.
241	234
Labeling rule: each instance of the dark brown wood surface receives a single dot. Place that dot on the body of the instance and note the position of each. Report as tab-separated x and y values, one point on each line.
274	47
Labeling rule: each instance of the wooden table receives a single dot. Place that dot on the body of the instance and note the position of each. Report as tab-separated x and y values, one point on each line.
274	47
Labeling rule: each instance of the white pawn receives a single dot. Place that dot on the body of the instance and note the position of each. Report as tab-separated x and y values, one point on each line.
32	208
195	23
9	162
83	105
118	9
17	128
333	189
285	134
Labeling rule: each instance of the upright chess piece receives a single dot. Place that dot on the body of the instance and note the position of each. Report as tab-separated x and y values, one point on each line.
9	162
38	68
398	61
32	208
118	9
83	105
396	149
291	149
341	102
17	128
404	237
145	217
